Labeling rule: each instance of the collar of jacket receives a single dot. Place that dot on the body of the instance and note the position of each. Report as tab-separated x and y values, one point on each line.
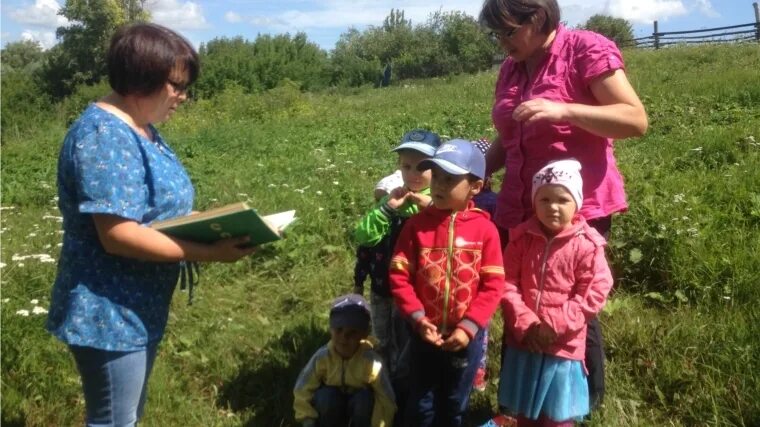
533	227
468	213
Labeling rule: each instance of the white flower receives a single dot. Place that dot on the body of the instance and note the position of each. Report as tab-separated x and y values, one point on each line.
678	198
349	162
242	195
38	310
336	183
24	313
321	209
5	300
53	217
319	193
3	208
59	245
261	165
271	186
21	264
285	186
685	218
2	264
696	149
32	235
34	301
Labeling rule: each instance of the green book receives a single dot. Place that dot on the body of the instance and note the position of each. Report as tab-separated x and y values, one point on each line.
237	219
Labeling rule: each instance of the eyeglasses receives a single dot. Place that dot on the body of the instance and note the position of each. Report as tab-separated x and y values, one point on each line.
178	87
505	34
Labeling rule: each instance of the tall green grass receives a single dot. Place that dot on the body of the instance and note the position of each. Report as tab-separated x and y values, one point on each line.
681	327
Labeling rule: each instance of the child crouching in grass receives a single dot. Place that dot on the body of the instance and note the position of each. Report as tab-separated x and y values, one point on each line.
345	381
447	278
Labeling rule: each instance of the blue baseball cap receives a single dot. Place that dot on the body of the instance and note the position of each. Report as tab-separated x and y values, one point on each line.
421	140
457	157
350	310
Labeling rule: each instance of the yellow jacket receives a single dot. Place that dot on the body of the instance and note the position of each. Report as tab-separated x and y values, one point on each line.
364	369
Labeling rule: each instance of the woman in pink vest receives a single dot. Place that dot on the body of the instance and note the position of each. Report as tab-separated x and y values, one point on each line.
561	93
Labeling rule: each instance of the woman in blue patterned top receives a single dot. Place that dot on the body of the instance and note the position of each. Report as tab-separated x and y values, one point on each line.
115	280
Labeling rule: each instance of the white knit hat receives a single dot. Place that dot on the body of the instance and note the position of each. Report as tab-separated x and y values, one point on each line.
566	173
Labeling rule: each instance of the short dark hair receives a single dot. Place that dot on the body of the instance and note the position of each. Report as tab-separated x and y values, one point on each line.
142	56
501	14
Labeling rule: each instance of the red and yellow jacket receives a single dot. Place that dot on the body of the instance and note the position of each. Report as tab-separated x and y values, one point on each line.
447	266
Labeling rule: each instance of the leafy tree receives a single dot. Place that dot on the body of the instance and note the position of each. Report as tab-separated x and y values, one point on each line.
79	58
618	30
23	55
262	64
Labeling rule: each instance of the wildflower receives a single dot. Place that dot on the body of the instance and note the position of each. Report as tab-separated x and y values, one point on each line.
9	208
321	209
24	313
319	193
698	149
271	186
2	264
285	186
261	165
34	301
6	300
678	198
242	195
53	217
336	183
693	231
38	310
32	235
349	162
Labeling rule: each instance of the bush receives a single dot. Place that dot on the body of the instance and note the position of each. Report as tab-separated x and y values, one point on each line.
618	30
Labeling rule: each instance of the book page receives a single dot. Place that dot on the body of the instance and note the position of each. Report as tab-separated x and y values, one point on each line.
281	220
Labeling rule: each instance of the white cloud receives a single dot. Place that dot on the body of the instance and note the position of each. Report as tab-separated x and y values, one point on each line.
706	8
177	15
232	17
640	11
43	13
46	39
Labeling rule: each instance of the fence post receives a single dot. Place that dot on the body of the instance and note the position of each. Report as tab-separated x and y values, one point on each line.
656	36
757	21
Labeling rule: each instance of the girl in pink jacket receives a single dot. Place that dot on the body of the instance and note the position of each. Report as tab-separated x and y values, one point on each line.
557	279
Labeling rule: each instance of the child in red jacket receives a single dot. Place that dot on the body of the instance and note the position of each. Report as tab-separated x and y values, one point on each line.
557	279
447	278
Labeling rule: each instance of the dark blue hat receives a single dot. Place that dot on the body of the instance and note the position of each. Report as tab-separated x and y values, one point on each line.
350	310
457	157
421	140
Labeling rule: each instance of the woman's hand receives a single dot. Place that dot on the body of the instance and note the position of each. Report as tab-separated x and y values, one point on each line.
232	249
458	340
540	109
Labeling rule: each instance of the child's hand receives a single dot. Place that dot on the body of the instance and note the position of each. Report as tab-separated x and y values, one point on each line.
546	335
456	341
422	201
397	197
429	332
531	339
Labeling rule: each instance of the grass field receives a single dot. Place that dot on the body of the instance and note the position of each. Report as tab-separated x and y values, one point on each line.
681	328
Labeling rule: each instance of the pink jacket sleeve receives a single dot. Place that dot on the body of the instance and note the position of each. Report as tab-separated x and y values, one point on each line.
517	315
401	274
491	286
593	284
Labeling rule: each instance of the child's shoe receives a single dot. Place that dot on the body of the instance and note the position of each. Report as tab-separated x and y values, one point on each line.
500	420
479	383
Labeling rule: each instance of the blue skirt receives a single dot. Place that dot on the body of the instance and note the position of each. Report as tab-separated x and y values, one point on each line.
532	384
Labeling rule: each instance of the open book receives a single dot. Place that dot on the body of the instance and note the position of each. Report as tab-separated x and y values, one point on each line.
237	219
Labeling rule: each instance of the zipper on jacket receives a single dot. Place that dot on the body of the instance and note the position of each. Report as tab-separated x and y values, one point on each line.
448	274
543	273
342	373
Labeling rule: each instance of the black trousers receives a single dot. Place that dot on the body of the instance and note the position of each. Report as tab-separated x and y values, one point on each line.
594	340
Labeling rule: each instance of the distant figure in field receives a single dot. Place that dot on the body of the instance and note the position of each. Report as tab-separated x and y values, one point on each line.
345	381
116	277
560	93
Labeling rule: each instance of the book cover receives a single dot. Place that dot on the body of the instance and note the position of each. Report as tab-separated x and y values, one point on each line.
233	220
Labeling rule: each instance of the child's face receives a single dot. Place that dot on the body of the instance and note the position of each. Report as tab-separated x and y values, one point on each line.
555	207
414	180
346	340
452	191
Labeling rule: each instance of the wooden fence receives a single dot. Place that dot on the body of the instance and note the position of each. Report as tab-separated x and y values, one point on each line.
730	34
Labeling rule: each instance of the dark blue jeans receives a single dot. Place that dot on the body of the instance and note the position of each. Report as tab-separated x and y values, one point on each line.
440	382
114	384
337	408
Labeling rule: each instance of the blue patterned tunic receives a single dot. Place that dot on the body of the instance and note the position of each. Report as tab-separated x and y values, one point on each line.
100	300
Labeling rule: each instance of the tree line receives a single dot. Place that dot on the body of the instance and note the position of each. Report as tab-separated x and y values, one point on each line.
73	71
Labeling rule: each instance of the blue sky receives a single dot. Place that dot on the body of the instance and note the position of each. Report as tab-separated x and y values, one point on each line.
324	21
